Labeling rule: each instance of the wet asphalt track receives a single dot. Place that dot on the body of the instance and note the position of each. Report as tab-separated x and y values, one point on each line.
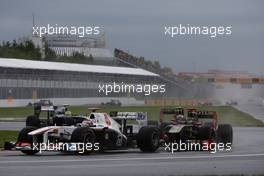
247	157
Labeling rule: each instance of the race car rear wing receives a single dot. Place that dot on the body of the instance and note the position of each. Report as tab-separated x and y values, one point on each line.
175	111
170	111
212	115
140	116
206	114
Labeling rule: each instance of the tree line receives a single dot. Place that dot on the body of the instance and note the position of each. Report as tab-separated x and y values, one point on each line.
27	50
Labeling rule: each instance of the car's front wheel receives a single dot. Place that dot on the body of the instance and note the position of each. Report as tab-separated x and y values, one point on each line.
23	137
86	137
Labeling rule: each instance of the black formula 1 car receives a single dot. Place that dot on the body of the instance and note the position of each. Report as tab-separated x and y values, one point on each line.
196	126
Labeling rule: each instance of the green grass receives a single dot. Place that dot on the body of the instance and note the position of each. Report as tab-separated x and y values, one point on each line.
6	136
226	114
16	112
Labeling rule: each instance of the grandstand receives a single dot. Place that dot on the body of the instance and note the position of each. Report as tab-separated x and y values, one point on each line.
28	79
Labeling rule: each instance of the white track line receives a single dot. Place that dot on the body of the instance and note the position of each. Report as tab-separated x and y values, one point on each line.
134	159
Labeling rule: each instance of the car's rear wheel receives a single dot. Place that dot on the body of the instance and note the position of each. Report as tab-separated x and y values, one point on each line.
32	121
225	133
86	136
204	133
148	139
23	137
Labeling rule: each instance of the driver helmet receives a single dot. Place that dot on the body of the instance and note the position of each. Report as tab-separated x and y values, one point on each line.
68	113
179	117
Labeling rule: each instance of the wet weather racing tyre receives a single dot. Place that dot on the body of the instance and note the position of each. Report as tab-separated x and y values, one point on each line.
32	121
205	133
225	133
148	139
23	137
84	135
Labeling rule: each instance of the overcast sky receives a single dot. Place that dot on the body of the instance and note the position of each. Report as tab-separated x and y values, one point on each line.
138	26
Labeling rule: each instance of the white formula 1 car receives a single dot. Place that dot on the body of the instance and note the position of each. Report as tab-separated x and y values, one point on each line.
98	132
